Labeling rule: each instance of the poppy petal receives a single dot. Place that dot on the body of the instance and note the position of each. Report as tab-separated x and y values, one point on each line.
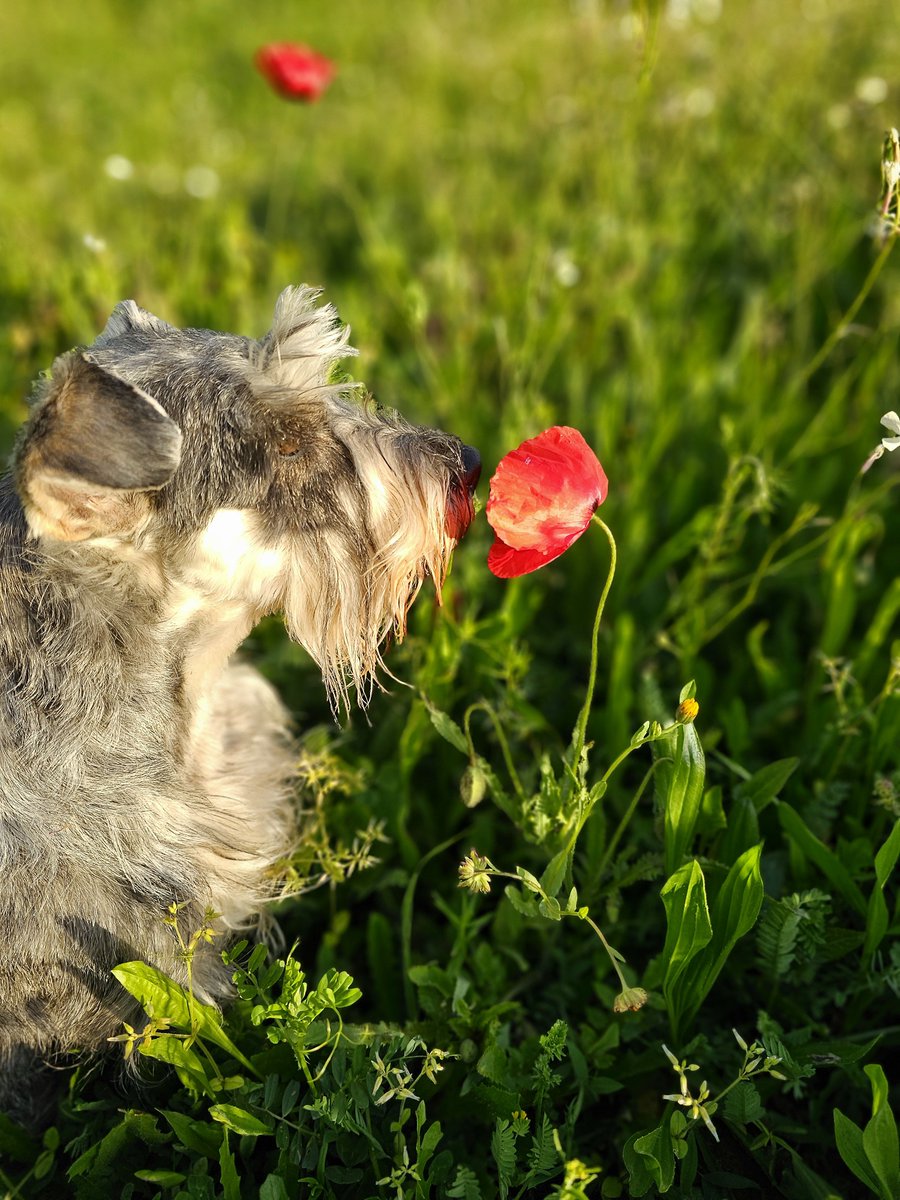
546	490
507	563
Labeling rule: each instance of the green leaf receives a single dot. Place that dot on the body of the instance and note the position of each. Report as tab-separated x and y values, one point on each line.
231	1181
447	728
555	872
764	786
543	1157
241	1121
530	881
684	793
688	927
742	1104
877	919
734	914
742	831
827	862
879	1138
849	1139
190	1068
712	814
503	1149
657	1157
493	1063
273	1187
550	909
163	998
776	938
523	902
465	1185
198	1136
164	1178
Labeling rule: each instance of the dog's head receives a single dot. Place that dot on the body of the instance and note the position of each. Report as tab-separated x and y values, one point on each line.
233	472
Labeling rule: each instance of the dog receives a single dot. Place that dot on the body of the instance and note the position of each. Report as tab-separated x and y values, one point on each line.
171	487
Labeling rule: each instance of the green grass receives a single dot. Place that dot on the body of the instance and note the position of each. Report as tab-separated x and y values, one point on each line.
527	219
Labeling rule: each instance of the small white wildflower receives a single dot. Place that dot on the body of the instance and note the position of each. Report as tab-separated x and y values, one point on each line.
90	242
117	166
890	421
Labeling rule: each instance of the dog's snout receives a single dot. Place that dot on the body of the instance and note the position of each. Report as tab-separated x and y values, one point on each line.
471	461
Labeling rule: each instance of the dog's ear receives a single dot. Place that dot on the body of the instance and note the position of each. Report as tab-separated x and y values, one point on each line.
94	446
296	356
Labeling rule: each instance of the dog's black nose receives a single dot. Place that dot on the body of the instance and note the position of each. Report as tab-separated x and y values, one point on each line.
471	461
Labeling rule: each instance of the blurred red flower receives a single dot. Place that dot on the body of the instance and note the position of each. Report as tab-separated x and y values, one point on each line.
295	72
542	498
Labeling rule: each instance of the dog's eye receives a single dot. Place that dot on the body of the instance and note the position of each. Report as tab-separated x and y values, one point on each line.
289	448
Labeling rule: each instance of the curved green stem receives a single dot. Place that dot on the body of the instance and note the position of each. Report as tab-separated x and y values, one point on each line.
579	734
501	738
626	818
846	320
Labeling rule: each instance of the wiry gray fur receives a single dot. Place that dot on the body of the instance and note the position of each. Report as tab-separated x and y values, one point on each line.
170	487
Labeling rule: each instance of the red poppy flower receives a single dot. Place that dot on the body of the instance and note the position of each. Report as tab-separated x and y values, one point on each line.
543	496
295	72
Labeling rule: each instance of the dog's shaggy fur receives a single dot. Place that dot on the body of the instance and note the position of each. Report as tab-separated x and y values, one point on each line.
170	488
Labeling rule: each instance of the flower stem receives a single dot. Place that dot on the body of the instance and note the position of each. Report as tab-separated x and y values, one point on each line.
847	319
580	731
623	824
483	706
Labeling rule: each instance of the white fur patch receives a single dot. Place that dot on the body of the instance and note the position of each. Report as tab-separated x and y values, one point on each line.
230	560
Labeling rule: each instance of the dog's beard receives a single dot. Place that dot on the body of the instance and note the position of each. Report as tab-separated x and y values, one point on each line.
348	590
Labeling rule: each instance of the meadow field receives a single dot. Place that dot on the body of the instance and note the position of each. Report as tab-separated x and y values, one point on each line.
657	224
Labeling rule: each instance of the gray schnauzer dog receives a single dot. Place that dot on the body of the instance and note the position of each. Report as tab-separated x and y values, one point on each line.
170	488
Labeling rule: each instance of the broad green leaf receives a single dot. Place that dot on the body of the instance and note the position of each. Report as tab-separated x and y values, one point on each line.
742	831
849	1139
712	814
189	1066
523	902
688	927
199	1136
827	862
555	872
684	793
742	1104
273	1187
163	998
238	1119
879	1138
734	914
764	786
429	1143
877	918
655	1150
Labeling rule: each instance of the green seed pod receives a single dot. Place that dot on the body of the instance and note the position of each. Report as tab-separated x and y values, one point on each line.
473	785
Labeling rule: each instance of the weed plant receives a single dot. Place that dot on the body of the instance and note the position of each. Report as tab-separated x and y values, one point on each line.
658	225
